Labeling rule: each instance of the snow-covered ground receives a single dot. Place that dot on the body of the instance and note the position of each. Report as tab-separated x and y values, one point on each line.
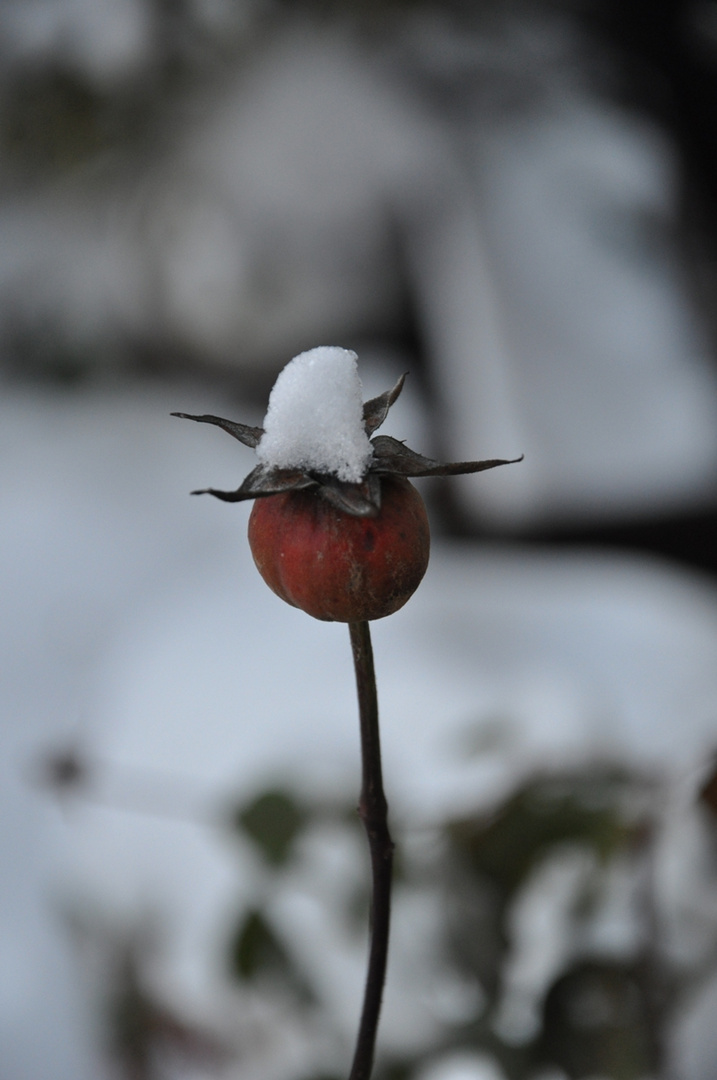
134	622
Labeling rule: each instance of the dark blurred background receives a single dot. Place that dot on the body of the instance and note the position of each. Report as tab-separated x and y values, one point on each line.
516	203
517	200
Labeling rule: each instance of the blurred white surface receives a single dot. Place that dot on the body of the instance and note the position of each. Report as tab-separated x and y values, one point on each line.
558	319
134	619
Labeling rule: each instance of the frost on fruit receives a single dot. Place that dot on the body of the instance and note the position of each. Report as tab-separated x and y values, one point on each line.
315	417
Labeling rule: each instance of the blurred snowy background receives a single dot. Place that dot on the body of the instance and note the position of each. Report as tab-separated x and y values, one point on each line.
516	203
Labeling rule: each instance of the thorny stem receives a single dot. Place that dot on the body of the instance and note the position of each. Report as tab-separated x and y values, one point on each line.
373	813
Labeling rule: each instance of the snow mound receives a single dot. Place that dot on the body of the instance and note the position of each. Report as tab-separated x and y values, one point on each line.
315	416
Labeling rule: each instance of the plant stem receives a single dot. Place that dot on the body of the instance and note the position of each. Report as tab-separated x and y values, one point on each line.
373	810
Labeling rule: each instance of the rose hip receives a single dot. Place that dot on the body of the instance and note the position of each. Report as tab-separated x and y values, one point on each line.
338	567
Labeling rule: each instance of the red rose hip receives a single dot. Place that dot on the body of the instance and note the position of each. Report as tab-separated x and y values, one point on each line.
338	567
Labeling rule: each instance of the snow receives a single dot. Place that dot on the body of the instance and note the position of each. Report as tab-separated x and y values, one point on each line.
315	416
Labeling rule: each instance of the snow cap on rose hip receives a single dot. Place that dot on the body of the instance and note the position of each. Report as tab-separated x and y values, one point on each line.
315	417
318	435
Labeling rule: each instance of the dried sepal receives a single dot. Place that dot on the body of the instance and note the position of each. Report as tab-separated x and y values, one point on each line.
375	411
250	436
392	456
262	481
359	500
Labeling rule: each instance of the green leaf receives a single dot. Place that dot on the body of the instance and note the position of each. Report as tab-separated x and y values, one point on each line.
598	1021
322	1076
256	953
256	949
273	821
396	1069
